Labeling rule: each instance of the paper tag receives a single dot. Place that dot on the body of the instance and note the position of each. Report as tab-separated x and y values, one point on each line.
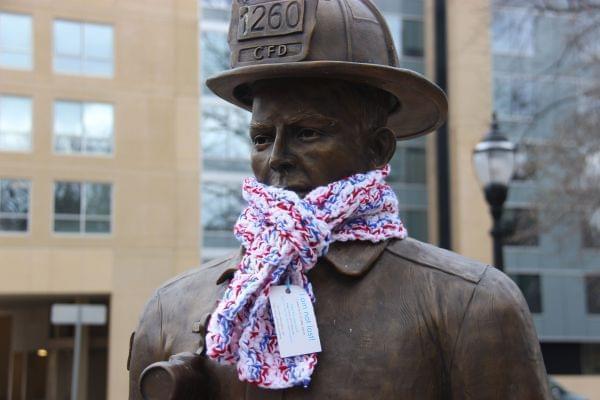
295	322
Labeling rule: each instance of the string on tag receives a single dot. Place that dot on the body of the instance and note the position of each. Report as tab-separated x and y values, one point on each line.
287	285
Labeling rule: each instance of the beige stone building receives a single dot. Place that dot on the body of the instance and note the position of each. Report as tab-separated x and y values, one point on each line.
99	177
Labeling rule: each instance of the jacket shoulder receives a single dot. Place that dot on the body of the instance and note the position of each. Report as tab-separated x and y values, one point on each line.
432	257
206	274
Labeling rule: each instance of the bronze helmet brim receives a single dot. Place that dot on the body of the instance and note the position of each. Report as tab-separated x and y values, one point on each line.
423	106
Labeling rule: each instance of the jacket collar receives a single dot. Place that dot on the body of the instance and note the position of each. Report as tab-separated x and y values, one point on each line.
354	259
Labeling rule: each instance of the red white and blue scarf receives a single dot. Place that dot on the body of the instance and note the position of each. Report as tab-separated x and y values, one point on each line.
283	236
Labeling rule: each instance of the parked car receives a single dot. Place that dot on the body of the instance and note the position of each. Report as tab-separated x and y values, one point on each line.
560	393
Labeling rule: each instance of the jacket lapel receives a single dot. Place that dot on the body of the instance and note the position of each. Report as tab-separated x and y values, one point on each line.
353	259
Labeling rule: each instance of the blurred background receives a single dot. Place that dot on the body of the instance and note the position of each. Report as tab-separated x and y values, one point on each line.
119	169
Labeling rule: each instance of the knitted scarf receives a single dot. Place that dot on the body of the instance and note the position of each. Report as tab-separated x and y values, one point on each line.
284	236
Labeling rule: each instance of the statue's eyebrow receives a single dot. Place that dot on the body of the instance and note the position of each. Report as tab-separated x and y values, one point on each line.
296	119
313	117
260	126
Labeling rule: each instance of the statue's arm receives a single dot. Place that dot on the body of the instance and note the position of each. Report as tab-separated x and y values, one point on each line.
497	353
146	346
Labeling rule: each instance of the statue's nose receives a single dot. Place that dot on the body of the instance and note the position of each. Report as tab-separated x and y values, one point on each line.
281	159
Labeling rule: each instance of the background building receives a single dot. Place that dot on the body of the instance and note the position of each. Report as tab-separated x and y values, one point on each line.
98	179
520	60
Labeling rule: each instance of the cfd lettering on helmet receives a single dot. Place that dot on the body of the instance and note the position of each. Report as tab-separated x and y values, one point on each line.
269	51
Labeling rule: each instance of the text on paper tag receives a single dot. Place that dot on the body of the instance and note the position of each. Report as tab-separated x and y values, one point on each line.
295	322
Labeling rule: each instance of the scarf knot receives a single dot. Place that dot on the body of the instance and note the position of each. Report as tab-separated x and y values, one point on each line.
284	236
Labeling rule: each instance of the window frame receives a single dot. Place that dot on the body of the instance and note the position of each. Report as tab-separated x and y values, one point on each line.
83	153
82	57
81	216
30	52
29	211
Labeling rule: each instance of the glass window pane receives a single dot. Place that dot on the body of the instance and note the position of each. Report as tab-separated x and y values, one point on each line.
530	285
416	168
13	224
67	38
97	226
15	60
68	118
412	38
66	225
15	40
67	198
512	32
97	198
215	53
592	291
590	227
14	196
221	206
98	120
415	222
15	32
67	64
225	132
98	41
522	225
15	123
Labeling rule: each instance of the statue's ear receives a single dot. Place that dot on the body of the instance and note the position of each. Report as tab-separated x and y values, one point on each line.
382	145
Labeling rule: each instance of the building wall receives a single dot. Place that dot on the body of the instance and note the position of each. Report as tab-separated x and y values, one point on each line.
154	168
470	110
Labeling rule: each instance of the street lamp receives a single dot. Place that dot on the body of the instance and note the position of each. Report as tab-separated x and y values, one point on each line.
494	161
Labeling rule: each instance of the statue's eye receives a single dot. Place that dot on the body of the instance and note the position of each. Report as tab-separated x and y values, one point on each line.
308	134
261	140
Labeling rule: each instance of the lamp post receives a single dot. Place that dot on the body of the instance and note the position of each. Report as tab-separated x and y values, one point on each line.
494	160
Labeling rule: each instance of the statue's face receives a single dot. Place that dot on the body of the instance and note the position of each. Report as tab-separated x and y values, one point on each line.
304	137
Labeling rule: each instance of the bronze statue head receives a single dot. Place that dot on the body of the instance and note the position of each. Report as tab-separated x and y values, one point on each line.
322	80
309	132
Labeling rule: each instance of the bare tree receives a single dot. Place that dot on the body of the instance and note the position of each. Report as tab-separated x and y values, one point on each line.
567	161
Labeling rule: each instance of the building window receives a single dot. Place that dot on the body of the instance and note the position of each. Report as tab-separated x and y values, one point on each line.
416	223
215	55
592	293
531	287
15	123
409	165
591	231
83	128
525	163
513	98
14	205
522	225
83	48
222	204
216	10
513	32
82	207
15	41
224	131
412	38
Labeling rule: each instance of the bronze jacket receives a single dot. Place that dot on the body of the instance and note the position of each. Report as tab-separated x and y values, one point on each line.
397	320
